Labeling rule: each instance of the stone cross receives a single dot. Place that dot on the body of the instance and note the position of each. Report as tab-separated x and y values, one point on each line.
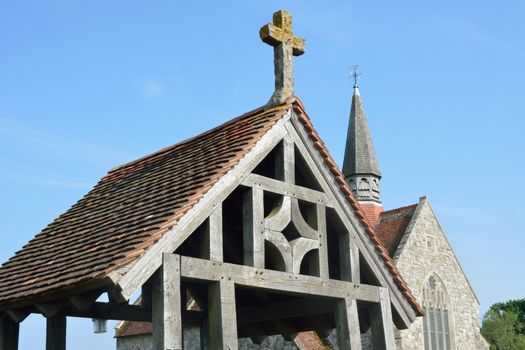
285	45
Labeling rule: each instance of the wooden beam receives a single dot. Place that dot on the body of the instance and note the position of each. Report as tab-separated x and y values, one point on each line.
130	280
51	309
347	324
253	218
282	328
286	189
84	301
146	295
222	315
285	329
323	242
381	322
250	277
56	332
289	160
18	315
9	334
329	186
212	242
166	304
205	334
283	310
321	325
355	265
115	296
349	262
111	311
255	333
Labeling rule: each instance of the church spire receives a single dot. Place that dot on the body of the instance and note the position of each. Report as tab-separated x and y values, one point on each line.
360	166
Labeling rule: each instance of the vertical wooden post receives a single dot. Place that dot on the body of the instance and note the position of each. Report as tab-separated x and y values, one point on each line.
284	162
323	243
253	220
354	262
222	315
205	334
381	322
9	333
166	305
212	242
289	160
349	258
347	325
56	332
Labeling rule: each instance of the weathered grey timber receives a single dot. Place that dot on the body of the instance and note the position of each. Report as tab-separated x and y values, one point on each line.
381	321
212	242
364	245
253	216
286	188
252	277
56	332
131	279
166	303
323	244
350	269
347	324
223	316
9	333
285	45
18	315
262	225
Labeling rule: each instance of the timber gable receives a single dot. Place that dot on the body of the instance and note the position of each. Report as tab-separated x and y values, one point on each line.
252	222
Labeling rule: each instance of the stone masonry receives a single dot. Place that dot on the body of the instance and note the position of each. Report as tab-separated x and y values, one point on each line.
424	250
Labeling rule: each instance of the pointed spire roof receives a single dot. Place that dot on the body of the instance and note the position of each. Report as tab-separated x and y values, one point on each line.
360	156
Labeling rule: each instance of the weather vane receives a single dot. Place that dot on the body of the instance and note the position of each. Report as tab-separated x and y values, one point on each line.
355	73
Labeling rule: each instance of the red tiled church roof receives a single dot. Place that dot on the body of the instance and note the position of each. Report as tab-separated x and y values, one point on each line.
392	226
134	205
127	329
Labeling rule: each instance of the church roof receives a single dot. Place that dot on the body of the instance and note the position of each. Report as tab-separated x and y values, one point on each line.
134	205
130	328
360	156
392	225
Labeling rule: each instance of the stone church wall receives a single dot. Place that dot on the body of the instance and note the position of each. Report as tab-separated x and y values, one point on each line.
423	252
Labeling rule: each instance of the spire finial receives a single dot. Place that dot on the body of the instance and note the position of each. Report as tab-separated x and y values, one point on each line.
279	35
355	73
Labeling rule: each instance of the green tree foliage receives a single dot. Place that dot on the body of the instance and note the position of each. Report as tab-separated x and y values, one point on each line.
517	306
504	325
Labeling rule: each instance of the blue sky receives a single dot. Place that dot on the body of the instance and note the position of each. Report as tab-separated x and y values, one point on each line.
86	86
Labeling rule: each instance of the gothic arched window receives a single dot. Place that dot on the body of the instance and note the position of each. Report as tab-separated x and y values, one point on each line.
436	323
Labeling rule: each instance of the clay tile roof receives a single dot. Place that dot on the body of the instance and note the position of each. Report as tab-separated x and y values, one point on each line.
392	226
128	328
128	210
134	205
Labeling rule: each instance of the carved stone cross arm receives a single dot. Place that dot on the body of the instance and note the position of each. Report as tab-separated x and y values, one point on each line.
281	32
286	44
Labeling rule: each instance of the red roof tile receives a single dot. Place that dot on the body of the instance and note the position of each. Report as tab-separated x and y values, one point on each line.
127	329
134	205
372	212
130	209
392	226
